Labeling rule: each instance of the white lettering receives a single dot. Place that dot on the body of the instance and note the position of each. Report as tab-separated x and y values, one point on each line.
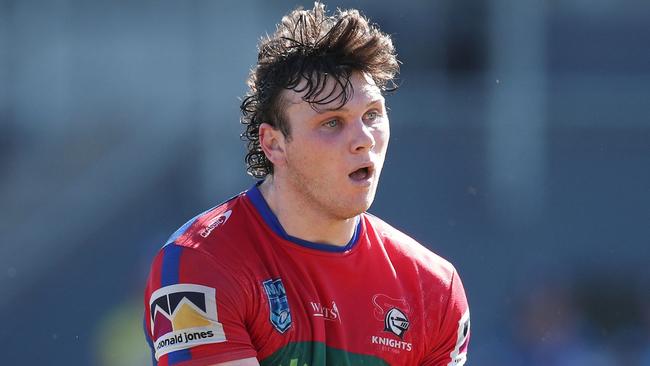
219	221
459	354
393	343
327	313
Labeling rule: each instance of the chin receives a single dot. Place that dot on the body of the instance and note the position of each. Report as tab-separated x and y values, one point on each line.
354	208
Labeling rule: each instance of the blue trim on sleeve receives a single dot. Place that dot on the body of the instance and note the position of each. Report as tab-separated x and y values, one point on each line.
178	356
170	276
170	265
149	341
272	221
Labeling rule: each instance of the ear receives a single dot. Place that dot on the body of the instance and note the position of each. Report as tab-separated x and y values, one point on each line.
272	143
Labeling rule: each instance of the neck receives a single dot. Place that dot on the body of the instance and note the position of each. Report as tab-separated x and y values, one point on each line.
302	220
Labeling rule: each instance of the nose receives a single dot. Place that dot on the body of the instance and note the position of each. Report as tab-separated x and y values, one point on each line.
363	139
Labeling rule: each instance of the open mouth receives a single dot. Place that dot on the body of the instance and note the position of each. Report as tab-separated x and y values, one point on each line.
361	174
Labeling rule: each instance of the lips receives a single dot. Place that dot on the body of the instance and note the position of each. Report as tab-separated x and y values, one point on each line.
362	173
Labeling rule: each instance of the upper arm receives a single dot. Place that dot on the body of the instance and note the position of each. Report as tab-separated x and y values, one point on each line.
195	310
451	343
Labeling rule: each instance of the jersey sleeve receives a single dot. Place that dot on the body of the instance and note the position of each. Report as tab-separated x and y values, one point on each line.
195	310
450	345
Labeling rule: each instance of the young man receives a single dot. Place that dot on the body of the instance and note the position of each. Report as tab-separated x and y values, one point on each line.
294	271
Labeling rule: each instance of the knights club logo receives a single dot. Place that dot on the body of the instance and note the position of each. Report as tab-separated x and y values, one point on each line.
278	304
393	313
183	316
396	322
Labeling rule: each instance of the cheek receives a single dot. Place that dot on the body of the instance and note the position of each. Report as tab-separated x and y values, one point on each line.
381	138
307	155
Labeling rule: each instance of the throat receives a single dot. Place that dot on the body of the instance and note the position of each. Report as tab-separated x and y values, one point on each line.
336	233
300	220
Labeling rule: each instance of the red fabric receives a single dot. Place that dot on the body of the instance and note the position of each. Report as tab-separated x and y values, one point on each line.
340	299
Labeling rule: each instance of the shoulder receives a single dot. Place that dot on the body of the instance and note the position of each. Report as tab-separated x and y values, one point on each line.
223	221
197	272
206	251
401	247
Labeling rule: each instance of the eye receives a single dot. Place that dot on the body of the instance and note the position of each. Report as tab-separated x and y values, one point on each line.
332	123
371	115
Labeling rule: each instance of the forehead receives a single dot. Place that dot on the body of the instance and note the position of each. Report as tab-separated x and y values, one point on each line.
362	90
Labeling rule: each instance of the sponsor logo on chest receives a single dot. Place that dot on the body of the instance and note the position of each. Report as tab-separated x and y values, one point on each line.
326	311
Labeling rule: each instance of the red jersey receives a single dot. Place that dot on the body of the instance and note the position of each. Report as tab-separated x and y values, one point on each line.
232	284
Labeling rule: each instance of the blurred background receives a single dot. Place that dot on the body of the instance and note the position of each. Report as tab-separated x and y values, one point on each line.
520	151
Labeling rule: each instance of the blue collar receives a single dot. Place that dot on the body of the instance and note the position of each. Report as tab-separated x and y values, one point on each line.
272	221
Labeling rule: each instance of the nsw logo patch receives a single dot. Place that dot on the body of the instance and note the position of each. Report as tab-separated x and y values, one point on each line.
184	316
278	304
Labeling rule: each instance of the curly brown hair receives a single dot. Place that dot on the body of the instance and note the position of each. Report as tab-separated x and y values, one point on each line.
313	47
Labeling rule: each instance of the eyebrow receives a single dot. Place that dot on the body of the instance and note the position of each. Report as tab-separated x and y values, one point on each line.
344	109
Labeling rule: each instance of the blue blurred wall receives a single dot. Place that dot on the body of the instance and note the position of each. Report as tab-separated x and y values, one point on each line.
520	151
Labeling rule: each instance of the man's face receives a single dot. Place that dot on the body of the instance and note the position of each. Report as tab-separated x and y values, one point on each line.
333	157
